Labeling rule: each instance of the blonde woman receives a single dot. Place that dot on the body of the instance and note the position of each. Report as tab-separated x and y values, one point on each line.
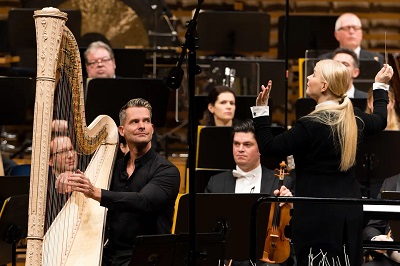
392	118
324	145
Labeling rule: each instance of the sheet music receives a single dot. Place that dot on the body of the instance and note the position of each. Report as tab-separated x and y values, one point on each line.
381	208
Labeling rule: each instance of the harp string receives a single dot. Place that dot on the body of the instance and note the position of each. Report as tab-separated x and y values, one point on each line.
70	159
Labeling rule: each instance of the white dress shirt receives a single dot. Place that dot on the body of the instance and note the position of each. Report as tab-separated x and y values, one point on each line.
248	182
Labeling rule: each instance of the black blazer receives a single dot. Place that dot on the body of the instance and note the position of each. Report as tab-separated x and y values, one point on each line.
323	226
225	182
360	94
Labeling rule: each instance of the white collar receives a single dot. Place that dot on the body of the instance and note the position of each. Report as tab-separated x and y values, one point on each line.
255	172
330	102
251	181
350	93
357	51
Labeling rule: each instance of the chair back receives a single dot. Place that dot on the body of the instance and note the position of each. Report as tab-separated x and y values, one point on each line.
21	170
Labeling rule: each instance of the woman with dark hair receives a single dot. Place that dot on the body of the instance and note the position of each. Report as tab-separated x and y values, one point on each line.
221	106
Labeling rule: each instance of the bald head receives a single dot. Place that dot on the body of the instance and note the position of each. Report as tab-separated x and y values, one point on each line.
348	31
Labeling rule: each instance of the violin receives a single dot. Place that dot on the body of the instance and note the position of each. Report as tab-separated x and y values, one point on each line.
277	246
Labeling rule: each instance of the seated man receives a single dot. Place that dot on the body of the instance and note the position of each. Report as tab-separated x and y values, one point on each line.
248	162
250	176
349	58
63	161
100	61
348	32
378	230
143	189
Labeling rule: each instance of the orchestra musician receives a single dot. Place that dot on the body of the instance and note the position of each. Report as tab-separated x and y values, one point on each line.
99	60
143	188
221	107
249	176
63	161
324	145
349	58
100	63
392	117
348	32
379	230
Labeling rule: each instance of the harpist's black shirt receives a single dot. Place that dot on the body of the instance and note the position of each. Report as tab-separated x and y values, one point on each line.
143	203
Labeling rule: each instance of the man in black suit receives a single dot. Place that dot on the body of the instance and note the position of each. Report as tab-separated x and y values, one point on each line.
348	58
250	176
378	230
348	32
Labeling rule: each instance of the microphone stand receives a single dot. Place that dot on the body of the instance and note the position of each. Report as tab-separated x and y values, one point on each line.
173	82
286	62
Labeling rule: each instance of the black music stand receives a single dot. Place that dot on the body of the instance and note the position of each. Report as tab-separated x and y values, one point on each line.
243	103
130	62
394	224
231	31
215	149
246	75
107	96
202	177
13	185
22	33
172	250
230	213
377	159
14	222
306	32
19	112
268	70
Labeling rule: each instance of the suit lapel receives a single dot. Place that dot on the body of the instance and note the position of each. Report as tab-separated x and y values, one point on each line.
230	184
267	181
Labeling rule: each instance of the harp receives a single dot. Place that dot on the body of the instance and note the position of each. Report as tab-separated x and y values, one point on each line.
74	235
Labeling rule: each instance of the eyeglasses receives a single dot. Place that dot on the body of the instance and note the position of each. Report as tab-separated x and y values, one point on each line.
64	152
350	27
95	63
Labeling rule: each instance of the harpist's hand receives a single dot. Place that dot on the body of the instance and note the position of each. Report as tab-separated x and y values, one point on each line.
61	183
263	96
385	74
80	183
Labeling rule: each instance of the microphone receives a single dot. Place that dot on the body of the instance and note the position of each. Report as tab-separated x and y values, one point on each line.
174	78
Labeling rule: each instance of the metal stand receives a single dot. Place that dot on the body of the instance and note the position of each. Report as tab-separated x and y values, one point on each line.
173	34
174	81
